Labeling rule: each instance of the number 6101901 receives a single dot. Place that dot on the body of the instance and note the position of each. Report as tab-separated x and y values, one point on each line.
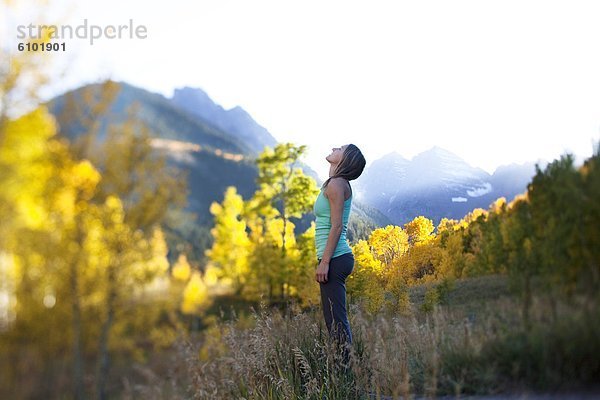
42	46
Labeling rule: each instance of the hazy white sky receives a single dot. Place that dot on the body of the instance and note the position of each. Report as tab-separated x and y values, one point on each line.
494	82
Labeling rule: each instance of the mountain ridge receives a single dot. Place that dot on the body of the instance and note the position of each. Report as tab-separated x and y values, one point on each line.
236	121
437	183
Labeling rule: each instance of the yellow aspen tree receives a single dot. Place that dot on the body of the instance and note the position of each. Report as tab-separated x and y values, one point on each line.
419	230
231	246
388	244
366	283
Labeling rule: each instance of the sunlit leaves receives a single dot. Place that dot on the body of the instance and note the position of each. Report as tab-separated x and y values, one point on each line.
388	244
182	269
255	247
419	230
195	295
77	261
231	244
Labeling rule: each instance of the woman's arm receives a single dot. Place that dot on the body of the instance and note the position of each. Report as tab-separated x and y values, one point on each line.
335	194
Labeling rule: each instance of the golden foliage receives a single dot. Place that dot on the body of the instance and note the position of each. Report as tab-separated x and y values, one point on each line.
195	295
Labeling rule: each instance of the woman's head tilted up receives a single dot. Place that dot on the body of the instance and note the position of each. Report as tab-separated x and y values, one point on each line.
346	162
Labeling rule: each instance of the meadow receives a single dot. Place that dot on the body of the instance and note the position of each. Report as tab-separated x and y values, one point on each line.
474	343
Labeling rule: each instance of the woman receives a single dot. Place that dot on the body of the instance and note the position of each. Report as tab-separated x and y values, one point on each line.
336	261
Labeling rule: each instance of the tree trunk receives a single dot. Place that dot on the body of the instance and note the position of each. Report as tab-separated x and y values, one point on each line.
553	306
195	323
76	324
283	234
527	301
78	388
285	272
104	356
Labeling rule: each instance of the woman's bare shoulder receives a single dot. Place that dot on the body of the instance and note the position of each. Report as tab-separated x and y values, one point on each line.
339	186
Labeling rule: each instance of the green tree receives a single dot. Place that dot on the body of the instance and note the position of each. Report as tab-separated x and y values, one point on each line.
491	257
590	233
303	278
563	209
284	192
517	233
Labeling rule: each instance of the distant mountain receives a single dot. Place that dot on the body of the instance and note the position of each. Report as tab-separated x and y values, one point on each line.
236	121
213	158
381	181
209	175
436	184
165	119
512	179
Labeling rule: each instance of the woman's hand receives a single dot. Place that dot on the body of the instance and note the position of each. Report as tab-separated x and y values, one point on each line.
322	271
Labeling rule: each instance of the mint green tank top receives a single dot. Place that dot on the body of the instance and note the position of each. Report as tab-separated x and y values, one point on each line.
322	211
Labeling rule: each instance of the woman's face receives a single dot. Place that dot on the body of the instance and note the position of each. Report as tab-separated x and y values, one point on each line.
336	154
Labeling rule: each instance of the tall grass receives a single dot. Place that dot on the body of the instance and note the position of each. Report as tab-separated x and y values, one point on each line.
288	355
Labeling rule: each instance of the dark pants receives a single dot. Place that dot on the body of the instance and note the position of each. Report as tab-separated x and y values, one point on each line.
333	298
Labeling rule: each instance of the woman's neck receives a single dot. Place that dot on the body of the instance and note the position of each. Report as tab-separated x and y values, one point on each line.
332	168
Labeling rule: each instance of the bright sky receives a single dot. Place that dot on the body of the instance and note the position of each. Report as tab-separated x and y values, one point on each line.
495	82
